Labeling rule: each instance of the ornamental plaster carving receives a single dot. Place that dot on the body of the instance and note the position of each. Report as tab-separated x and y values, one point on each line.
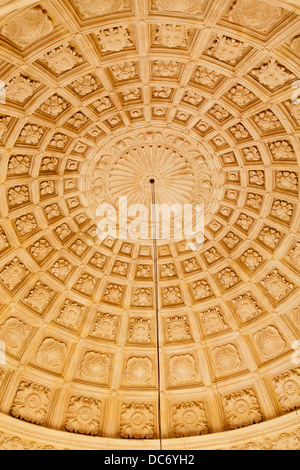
21	88
255	14
105	326
178	328
213	321
172	35
62	59
182	368
137	421
189	419
287	388
140	330
114	39
227	49
14	334
242	409
28	27
84	416
272	74
31	403
13	274
246	306
269	341
51	354
90	8
188	6
95	366
226	358
139	370
277	285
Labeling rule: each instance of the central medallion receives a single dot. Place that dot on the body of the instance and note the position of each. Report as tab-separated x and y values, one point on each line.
131	174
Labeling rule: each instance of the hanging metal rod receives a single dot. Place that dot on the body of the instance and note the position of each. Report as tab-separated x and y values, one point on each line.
154	238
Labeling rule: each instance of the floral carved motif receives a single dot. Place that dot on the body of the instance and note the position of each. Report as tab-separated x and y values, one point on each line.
242	409
13	274
273	74
19	165
277	285
270	237
226	358
166	68
90	8
282	150
269	341
182	368
246	306
206	77
95	366
287	180
21	88
172	35
31	134
139	370
189	419
178	328
14	333
28	27
240	95
252	259
213	321
114	39
124	71
255	14
228	278
39	297
62	58
172	295
105	326
227	49
287	388
51	354
84	416
140	330
137	421
70	314
31	403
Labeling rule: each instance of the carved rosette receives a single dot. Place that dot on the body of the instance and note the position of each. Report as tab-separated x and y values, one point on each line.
287	388
189	419
84	416
31	403
242	409
137	421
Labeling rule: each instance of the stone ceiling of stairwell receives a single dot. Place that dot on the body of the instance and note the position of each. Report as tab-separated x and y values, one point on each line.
100	96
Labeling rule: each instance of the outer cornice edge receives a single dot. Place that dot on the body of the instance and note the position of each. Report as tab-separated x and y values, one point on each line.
29	436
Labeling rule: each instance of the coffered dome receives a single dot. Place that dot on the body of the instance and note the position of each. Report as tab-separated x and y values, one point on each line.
98	97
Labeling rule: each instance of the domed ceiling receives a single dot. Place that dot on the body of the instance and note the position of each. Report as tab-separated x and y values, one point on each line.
101	96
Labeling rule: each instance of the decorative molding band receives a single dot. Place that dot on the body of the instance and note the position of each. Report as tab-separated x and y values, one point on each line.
278	434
